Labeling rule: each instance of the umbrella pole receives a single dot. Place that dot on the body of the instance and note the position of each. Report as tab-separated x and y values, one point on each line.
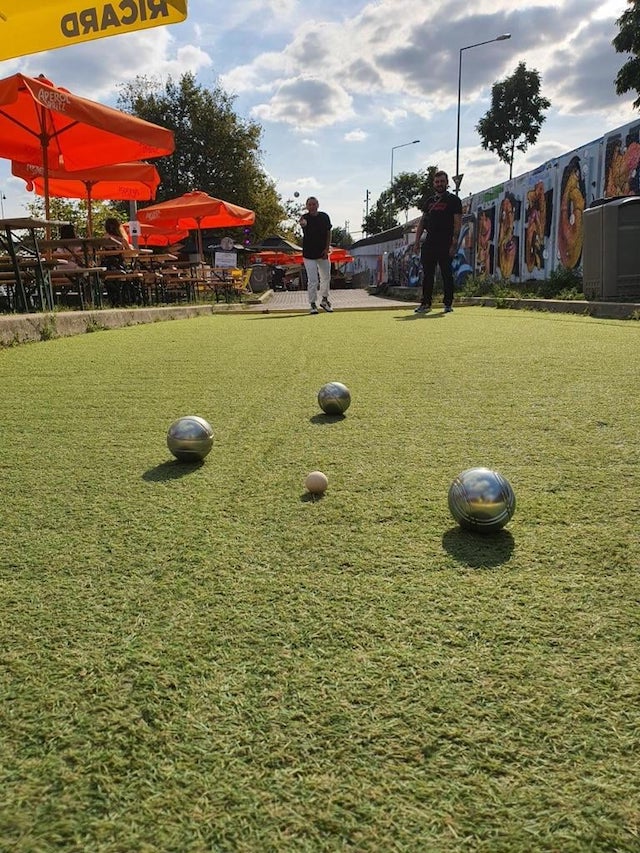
199	242
45	174
89	212
44	146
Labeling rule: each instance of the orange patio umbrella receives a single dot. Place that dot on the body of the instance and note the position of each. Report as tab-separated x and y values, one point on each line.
151	236
196	210
120	182
336	256
268	256
29	26
47	125
339	255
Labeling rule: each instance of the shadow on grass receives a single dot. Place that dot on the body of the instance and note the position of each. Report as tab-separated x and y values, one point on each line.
432	315
322	419
171	470
309	498
277	315
479	550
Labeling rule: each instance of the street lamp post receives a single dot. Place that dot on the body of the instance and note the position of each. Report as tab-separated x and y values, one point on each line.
503	37
3	198
404	145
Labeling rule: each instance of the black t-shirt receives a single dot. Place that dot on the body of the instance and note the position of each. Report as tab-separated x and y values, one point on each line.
314	235
437	219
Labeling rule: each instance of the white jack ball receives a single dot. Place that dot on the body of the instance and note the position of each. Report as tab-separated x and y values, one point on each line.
316	482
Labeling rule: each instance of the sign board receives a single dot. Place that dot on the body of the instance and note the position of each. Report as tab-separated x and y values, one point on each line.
226	259
31	26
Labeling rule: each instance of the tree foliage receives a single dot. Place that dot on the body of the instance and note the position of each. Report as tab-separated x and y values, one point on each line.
341	237
628	41
75	212
516	115
408	190
217	151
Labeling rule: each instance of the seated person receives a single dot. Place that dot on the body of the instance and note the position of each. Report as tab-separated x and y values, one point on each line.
121	289
70	257
114	228
70	273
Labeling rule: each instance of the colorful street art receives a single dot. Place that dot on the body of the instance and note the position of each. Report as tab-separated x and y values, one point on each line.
533	224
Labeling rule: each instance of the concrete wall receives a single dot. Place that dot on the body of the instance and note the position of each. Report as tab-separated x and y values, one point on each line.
21	328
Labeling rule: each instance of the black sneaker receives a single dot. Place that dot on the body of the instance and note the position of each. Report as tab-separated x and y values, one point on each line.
313	309
448	309
422	309
326	306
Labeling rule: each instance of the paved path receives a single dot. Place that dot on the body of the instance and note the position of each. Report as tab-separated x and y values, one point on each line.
351	299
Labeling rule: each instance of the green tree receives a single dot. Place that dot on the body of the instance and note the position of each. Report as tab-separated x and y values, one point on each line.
516	115
216	151
628	41
75	212
408	190
341	237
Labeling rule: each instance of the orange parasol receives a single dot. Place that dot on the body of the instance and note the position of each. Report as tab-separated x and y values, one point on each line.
269	256
43	124
151	236
336	256
121	182
29	26
196	210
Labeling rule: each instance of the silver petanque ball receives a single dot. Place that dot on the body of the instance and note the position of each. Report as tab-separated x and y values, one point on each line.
190	438
334	398
481	499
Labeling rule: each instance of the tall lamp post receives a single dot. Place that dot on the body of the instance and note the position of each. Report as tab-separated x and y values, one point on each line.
3	198
458	177
395	147
404	145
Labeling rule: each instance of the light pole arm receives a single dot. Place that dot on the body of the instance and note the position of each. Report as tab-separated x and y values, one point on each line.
502	37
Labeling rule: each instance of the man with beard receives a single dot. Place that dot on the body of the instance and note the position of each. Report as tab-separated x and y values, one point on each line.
441	220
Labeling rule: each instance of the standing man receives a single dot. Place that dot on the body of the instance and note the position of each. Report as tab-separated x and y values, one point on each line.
316	241
442	220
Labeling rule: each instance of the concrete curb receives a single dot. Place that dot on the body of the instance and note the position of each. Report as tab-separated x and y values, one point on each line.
601	310
22	328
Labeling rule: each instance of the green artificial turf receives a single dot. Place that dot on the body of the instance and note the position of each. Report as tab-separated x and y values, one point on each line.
200	658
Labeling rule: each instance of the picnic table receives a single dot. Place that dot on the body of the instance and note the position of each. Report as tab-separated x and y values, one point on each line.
24	261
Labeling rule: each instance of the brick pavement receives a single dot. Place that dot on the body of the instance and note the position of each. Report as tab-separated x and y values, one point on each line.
350	299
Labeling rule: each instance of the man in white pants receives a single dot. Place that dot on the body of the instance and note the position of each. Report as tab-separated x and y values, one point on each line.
316	242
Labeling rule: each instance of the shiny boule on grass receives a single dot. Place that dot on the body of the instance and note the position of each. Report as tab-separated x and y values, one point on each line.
334	398
481	499
316	483
190	438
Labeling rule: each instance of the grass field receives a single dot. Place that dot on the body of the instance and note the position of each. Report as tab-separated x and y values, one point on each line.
200	658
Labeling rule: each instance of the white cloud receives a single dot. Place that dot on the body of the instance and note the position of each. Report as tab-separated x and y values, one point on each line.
306	102
355	136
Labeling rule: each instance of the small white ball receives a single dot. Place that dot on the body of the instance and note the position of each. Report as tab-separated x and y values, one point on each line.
316	482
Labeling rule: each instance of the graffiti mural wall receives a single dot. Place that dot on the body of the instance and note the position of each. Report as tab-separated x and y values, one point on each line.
527	227
533	224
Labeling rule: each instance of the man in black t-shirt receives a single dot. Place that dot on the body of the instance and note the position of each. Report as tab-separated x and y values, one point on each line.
441	220
316	241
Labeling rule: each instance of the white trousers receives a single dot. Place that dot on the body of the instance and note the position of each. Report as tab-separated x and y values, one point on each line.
318	278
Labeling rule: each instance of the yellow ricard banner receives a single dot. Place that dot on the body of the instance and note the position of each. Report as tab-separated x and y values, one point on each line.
29	26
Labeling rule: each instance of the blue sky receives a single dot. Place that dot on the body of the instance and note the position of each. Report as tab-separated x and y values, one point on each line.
337	85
